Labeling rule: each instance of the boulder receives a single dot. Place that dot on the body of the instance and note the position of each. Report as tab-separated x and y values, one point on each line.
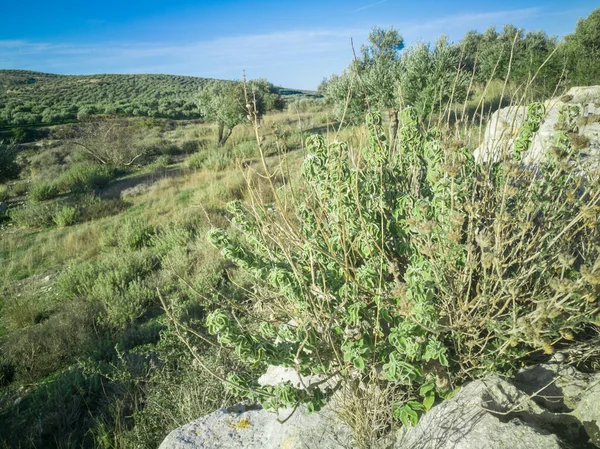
504	125
551	406
563	389
546	406
257	428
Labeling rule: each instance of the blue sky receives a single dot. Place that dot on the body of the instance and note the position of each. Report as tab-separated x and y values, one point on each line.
294	44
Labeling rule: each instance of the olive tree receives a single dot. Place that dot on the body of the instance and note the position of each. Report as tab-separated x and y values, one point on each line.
583	50
224	103
8	166
369	82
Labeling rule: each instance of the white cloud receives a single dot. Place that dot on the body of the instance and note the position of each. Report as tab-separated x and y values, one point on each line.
295	58
362	8
470	20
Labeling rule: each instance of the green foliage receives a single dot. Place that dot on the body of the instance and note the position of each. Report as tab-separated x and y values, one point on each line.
515	54
33	98
225	103
190	146
196	161
83	178
20	188
416	262
583	51
215	159
9	168
372	79
430	77
135	233
36	351
43	191
120	285
94	208
34	215
66	216
384	80
3	192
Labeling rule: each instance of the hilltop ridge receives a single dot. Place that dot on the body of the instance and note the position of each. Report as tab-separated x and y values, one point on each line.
29	98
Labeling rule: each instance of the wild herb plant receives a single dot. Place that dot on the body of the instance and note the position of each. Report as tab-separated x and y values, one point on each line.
412	268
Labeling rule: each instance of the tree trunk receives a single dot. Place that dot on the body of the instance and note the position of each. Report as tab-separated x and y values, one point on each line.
223	135
220	129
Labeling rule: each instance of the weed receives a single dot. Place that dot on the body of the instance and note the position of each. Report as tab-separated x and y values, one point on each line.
82	178
66	216
43	191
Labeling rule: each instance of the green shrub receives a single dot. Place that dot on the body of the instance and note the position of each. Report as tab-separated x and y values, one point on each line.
218	159
9	169
196	160
160	163
43	191
411	271
246	150
60	407
119	283
122	304
66	216
171	395
34	215
3	192
53	344
81	178
169	149
20	188
135	233
78	280
190	146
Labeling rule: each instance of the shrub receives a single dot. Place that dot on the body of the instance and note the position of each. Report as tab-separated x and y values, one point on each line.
168	149
119	283
81	178
38	350
160	163
43	191
246	150
66	216
411	271
218	160
34	215
135	233
9	169
20	188
196	160
190	146
3	192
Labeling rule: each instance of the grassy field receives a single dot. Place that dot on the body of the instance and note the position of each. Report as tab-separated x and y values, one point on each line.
110	292
84	347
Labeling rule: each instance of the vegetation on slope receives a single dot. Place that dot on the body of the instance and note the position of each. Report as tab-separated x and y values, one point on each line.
385	259
33	99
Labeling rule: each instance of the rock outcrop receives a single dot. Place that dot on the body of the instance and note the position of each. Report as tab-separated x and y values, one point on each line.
243	428
504	125
544	407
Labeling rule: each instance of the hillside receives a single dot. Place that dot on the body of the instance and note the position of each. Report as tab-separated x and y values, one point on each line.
32	98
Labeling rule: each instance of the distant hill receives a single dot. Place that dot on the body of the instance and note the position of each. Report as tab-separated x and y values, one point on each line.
33	98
